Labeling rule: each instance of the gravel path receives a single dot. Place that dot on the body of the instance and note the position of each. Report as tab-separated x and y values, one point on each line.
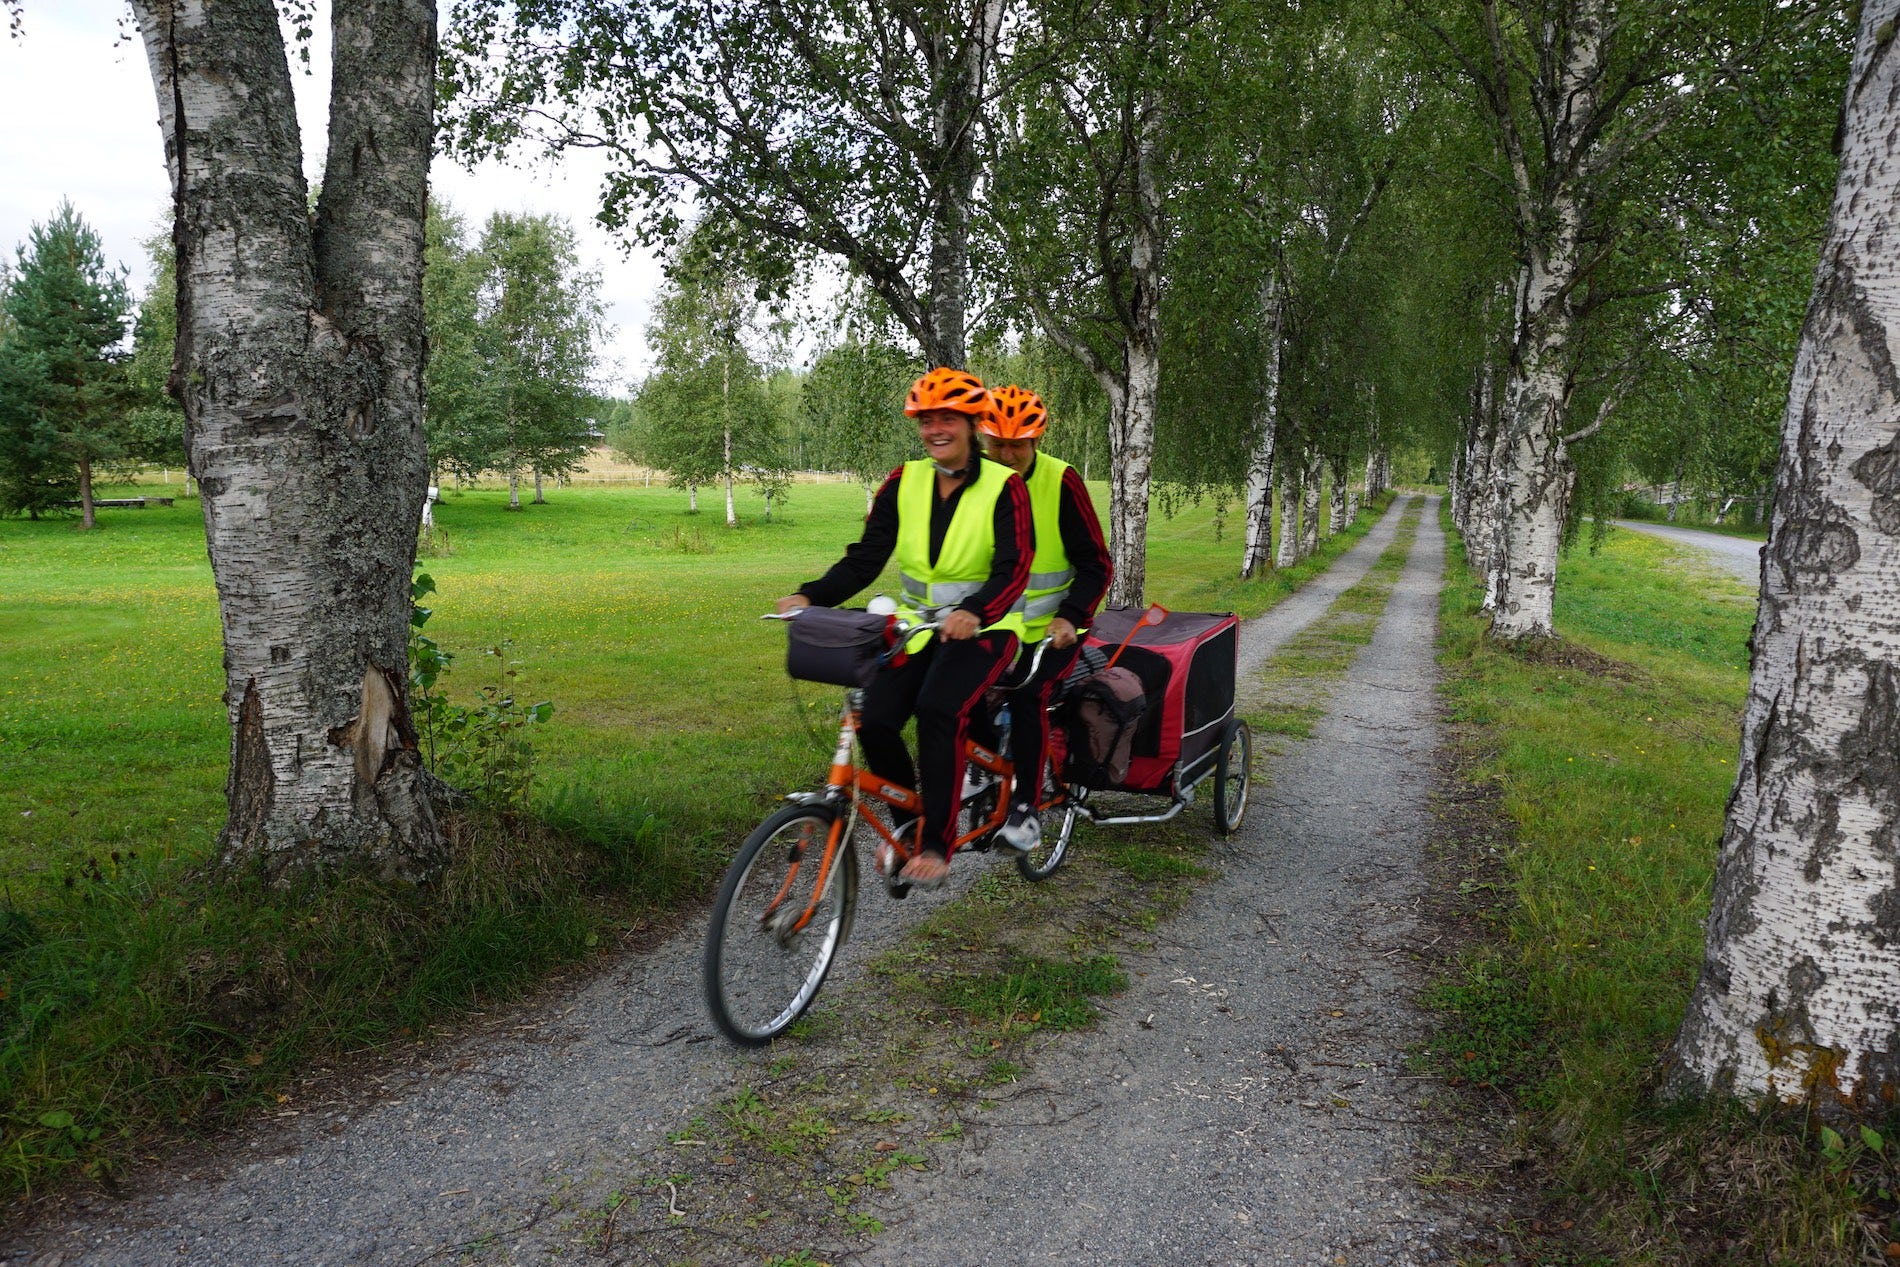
1244	1101
1737	555
1267	633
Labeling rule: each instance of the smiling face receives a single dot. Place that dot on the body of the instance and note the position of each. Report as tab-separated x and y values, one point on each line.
947	437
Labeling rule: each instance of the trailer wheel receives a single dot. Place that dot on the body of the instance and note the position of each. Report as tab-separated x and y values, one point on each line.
1232	776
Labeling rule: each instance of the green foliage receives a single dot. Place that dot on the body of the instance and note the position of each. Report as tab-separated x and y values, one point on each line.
791	141
513	327
711	416
461	422
154	423
853	406
62	386
484	748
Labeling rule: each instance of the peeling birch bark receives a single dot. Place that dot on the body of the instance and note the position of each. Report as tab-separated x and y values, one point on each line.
1336	509
1797	997
1289	516
299	366
1533	472
1309	502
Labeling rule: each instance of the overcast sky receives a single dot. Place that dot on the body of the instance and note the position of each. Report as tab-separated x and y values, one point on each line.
82	124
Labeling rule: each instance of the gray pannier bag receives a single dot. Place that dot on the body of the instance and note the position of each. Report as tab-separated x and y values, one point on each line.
839	646
1104	709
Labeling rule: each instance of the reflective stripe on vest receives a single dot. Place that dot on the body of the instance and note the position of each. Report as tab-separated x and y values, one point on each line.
1050	574
969	546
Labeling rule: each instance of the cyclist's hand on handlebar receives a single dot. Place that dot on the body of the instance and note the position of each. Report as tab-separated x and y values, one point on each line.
1061	633
791	602
958	626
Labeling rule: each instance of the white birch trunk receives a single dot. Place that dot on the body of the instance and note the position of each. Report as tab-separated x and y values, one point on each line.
1336	508
540	498
1289	549
514	489
725	434
1309	502
1534	472
1797	995
1258	546
1132	387
299	365
1535	477
692	499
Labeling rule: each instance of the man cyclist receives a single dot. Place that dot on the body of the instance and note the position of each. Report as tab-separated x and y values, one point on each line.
1067	581
960	528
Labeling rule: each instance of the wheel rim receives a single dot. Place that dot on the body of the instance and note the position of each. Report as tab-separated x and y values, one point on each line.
1238	777
768	971
1046	857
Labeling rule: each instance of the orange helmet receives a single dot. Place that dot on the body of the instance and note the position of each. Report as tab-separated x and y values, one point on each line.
945	388
1015	413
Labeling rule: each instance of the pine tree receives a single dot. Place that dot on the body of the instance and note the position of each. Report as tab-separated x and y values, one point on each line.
62	386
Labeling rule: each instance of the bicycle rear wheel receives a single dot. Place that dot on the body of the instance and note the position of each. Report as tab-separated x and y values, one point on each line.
764	959
1041	862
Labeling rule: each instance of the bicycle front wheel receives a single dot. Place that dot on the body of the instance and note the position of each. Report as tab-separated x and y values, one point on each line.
774	934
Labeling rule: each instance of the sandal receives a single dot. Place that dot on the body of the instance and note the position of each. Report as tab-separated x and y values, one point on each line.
925	871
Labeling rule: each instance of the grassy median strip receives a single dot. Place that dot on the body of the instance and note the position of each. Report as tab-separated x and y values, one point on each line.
1606	757
1289	697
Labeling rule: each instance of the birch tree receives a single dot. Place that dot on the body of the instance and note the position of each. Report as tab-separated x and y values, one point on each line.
538	318
1257	546
853	399
299	363
1573	91
1078	194
847	128
713	420
1796	997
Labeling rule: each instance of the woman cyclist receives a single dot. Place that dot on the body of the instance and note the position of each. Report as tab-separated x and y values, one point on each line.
961	530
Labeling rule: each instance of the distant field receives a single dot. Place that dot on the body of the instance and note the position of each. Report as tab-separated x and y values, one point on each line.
636	618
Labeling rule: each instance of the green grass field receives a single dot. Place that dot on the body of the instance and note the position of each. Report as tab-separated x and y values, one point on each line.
1611	754
635	618
139	991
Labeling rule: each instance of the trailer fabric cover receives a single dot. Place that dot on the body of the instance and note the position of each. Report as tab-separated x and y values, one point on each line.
1186	664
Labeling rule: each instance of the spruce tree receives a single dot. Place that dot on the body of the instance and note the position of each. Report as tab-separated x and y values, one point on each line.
61	384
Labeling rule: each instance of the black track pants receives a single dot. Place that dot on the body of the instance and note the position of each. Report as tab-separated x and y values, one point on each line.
1029	720
942	685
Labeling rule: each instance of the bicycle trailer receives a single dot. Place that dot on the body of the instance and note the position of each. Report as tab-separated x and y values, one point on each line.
1188	731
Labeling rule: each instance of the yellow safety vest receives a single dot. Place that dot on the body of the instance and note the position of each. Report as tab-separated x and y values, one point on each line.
931	590
1050	573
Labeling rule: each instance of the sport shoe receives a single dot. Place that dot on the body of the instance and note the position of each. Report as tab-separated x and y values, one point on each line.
1021	831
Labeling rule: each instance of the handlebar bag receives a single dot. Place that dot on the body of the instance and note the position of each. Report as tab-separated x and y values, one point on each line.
838	646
